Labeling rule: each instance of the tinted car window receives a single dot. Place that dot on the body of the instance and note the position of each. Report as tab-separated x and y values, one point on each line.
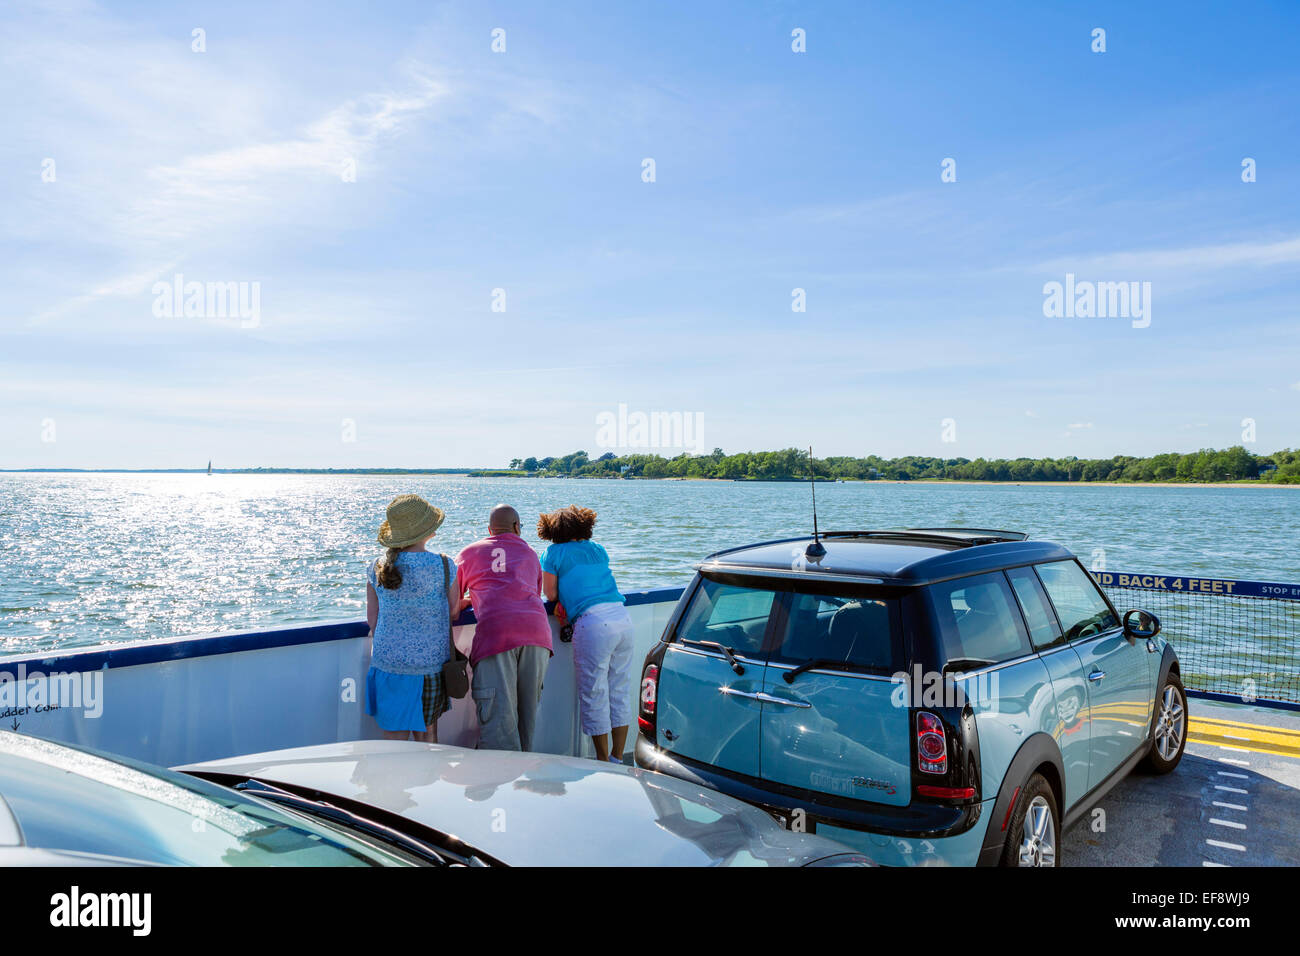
727	614
1080	607
860	633
1044	630
977	619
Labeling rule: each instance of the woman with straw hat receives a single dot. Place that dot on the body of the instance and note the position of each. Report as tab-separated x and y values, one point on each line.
409	601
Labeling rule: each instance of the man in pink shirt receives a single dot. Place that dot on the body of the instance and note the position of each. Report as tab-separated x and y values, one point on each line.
512	639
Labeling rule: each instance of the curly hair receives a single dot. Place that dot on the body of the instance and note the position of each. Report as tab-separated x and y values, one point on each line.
568	524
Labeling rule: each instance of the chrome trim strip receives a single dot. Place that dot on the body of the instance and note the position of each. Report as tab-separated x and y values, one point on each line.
764	697
1023	658
1049	651
784	701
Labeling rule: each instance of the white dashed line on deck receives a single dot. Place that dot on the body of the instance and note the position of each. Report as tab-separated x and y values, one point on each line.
1227	846
1227	823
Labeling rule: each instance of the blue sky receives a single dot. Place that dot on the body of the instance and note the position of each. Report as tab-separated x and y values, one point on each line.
522	171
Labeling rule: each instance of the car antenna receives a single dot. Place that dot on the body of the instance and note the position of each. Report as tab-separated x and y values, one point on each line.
816	549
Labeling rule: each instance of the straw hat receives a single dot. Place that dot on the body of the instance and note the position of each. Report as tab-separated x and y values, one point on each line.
410	519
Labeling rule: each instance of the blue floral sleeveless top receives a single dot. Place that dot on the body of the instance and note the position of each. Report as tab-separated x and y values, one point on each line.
411	630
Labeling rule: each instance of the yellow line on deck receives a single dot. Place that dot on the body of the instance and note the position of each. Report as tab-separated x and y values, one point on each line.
1259	738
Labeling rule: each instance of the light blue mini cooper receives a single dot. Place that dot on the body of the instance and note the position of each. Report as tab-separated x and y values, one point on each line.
926	696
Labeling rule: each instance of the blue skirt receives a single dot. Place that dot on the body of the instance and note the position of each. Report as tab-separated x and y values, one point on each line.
396	701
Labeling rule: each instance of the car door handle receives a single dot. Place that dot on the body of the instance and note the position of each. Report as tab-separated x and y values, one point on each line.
765	698
1096	676
784	701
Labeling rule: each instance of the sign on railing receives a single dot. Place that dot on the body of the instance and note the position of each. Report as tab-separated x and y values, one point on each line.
1224	586
1237	640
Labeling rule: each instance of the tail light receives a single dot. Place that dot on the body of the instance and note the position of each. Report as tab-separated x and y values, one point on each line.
946	793
931	744
649	697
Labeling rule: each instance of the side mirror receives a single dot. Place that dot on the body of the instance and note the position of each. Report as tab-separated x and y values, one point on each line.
1141	625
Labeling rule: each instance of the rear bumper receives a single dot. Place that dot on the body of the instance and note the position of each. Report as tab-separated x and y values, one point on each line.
929	821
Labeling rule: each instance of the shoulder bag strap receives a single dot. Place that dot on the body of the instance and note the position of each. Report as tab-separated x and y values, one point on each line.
446	586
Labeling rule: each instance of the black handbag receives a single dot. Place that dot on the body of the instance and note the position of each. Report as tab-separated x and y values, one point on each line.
455	673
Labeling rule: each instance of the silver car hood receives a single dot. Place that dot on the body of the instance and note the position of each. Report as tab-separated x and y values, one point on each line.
531	809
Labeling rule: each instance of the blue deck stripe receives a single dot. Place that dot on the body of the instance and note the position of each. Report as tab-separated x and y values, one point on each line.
153	652
1236	699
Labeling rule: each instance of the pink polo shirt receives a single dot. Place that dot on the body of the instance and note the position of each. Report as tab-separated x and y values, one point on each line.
504	579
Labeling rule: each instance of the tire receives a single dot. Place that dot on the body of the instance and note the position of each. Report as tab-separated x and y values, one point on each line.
1169	727
1035	812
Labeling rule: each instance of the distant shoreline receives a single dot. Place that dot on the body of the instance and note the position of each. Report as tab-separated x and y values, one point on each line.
503	473
1122	484
971	481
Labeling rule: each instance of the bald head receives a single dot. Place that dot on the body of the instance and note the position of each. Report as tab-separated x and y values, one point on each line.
503	519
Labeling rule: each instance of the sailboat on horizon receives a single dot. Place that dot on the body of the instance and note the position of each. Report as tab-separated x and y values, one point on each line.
209	466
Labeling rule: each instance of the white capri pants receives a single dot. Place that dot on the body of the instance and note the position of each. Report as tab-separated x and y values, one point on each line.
602	664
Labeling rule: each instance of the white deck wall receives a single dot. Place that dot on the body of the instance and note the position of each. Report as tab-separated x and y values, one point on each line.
250	701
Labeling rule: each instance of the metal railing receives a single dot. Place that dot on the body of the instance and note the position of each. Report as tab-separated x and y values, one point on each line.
1236	640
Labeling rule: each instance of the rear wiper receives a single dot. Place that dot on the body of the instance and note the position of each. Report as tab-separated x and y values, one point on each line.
965	664
809	665
730	654
339	815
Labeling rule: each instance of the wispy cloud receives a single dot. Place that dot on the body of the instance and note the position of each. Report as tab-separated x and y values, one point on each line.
207	188
1188	258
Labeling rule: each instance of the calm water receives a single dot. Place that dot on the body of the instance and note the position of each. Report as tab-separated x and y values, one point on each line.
92	558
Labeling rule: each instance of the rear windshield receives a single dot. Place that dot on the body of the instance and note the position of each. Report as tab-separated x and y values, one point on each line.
857	631
854	632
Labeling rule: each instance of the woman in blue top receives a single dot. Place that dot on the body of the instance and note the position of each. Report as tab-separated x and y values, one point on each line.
409	599
575	571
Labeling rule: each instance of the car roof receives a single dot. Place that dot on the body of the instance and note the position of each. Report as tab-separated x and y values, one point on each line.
560	808
904	556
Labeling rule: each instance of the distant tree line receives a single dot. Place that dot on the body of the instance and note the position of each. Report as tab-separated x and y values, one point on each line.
1206	465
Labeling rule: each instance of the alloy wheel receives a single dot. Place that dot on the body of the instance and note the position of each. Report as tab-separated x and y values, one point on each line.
1172	723
1038	842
